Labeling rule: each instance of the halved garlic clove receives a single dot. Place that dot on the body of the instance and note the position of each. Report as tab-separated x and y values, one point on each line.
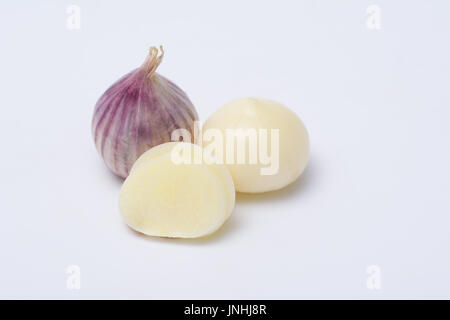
184	200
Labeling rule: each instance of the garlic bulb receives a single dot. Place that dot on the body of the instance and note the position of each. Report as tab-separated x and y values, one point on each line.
139	111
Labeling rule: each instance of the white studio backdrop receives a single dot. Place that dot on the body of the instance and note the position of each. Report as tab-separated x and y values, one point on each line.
368	219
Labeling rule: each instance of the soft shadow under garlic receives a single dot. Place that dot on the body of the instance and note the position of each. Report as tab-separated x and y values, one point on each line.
294	189
229	227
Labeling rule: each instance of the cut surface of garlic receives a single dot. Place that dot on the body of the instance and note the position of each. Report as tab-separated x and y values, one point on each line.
183	200
273	138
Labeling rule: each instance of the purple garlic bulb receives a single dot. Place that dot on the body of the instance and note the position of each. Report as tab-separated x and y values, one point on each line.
138	112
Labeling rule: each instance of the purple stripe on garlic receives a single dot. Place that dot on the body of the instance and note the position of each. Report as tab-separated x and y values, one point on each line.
138	112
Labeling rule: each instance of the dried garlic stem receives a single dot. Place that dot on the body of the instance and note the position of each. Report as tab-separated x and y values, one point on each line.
152	61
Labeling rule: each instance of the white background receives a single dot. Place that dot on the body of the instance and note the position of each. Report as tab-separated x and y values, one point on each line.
376	192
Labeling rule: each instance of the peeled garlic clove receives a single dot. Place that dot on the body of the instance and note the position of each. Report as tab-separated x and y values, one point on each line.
164	198
282	158
139	111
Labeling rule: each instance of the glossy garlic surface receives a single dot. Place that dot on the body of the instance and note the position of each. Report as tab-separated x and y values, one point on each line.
289	158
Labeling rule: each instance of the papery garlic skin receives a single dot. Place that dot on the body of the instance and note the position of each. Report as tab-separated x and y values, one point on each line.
139	111
165	199
266	115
